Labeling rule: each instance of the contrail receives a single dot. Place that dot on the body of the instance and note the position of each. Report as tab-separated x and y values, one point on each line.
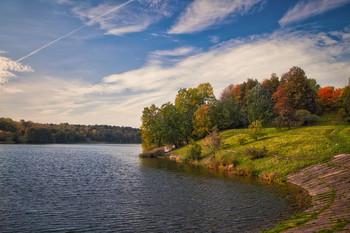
74	31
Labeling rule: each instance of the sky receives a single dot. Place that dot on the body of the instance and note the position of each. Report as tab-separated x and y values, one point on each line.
102	62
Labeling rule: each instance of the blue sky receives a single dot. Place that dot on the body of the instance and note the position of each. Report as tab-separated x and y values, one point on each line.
102	62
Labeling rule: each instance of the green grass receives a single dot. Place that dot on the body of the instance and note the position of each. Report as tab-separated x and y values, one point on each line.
288	150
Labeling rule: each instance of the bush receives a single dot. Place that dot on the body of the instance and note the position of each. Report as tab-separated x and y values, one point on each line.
304	117
228	158
241	139
194	151
255	153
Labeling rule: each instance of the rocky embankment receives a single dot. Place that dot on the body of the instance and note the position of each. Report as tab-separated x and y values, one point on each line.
328	185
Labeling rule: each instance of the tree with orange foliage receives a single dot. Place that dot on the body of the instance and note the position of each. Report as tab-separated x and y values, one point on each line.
328	98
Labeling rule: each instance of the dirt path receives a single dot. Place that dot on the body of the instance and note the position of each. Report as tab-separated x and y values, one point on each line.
328	185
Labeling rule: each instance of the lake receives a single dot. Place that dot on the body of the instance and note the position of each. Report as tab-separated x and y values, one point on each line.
108	188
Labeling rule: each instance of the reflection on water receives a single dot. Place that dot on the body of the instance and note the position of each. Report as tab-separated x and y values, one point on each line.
107	188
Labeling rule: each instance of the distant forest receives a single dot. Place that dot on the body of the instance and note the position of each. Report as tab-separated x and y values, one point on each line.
36	133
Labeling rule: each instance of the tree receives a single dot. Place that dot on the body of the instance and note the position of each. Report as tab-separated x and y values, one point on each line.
271	84
232	114
150	128
314	85
255	130
328	98
226	92
188	101
213	142
345	99
283	108
259	104
203	120
38	135
241	91
298	90
8	125
172	122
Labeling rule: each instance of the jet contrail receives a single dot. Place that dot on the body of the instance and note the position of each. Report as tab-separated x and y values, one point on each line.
74	31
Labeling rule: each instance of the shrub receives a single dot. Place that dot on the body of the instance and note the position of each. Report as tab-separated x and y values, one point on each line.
228	158
255	153
255	130
194	151
241	139
304	117
246	170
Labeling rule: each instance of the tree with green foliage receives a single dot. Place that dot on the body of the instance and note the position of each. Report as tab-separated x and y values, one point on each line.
314	85
255	130
188	101
39	135
298	91
151	128
232	114
345	99
259	105
171	125
7	124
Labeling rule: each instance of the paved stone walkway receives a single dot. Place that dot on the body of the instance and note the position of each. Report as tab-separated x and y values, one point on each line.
329	186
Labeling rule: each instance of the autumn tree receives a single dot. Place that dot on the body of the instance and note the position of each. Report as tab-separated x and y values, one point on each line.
259	104
283	108
226	92
271	84
241	91
203	120
328	98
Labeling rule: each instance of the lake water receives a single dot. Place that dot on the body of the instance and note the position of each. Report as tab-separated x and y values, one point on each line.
108	188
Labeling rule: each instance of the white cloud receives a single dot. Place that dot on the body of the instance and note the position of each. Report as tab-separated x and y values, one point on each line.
120	98
305	9
8	67
202	14
134	16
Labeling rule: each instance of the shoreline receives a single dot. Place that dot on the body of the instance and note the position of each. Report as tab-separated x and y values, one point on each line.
328	185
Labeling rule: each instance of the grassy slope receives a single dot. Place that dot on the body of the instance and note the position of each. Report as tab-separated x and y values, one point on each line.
288	150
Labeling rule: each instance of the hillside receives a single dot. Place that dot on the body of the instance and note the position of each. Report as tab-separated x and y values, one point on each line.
286	150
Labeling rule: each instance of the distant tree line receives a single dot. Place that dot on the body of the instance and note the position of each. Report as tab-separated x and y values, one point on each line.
286	101
35	133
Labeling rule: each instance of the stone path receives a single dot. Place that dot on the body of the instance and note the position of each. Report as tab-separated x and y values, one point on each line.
328	185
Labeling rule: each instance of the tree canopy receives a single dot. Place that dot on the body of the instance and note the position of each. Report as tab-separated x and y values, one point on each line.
291	100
